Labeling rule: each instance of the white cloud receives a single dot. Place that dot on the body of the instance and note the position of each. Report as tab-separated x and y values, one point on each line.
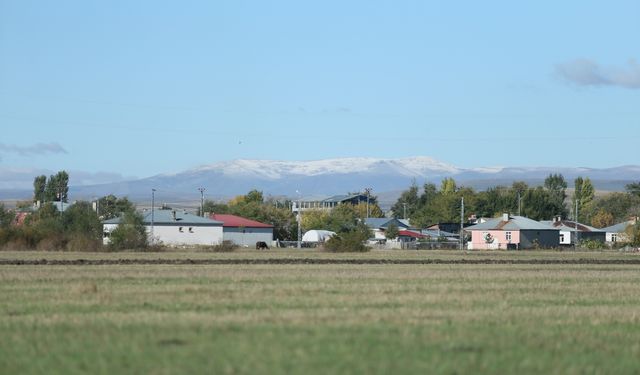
585	72
22	178
36	149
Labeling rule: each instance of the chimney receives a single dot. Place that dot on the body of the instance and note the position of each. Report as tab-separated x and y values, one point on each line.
173	215
505	217
557	219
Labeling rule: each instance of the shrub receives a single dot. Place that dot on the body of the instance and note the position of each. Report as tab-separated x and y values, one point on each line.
224	247
592	245
347	242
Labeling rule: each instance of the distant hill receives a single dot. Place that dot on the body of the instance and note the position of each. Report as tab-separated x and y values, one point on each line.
387	178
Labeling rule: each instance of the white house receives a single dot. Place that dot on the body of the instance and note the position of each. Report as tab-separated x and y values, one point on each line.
174	228
618	232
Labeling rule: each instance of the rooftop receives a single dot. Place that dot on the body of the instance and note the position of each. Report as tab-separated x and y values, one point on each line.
238	221
514	223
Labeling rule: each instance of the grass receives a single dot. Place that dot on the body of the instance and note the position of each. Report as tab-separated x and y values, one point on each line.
166	319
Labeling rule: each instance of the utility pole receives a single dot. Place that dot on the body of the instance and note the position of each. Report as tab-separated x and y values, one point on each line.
519	205
576	225
368	192
153	200
404	206
201	190
299	217
462	225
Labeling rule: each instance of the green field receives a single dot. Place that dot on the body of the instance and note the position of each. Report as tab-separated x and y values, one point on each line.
333	318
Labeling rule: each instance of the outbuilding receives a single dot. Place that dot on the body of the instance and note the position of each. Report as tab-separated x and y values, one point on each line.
243	231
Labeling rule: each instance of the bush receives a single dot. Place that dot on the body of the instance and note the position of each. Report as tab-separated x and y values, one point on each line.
130	233
347	242
224	247
79	242
592	245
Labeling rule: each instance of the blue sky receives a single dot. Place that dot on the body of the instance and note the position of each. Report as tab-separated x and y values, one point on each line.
135	88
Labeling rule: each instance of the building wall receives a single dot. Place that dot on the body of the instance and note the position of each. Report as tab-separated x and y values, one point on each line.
248	236
539	238
190	235
500	240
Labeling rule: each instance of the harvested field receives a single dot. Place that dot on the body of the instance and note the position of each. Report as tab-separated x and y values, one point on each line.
307	316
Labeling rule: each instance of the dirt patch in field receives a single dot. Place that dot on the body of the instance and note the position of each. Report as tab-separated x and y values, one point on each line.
297	261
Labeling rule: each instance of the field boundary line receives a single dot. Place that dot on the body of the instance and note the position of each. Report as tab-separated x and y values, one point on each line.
311	261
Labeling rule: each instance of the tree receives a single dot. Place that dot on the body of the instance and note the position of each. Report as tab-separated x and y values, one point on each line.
57	188
392	232
408	200
254	196
634	188
82	228
602	219
111	206
448	186
39	186
130	233
6	217
620	205
557	187
584	195
215	208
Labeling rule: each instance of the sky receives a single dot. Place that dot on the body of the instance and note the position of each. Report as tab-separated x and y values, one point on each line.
120	89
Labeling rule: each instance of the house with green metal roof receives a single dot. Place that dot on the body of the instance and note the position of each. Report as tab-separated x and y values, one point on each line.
512	232
174	228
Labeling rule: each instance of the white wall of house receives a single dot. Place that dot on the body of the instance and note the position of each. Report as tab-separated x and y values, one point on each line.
173	235
613	237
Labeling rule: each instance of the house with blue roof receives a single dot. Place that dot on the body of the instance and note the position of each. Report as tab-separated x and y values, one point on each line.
512	233
174	228
378	226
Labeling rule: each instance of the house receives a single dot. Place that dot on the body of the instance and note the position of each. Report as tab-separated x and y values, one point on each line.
568	231
618	232
410	236
447	227
327	203
379	226
242	231
174	228
512	232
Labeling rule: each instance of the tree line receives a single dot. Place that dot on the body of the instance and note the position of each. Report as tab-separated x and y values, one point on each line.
431	204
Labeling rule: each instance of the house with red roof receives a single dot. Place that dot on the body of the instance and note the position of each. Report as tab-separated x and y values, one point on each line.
243	231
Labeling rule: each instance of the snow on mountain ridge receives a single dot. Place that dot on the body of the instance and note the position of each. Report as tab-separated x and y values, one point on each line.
275	169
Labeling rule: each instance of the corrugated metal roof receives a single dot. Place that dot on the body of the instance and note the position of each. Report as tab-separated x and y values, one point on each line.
514	223
238	221
374	222
569	225
166	217
618	228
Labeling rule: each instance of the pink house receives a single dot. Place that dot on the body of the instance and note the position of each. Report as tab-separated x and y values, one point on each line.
512	233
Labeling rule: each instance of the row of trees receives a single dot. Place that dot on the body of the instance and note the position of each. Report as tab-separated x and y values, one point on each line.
433	204
253	205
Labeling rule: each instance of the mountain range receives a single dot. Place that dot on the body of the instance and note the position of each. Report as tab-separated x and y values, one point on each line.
387	177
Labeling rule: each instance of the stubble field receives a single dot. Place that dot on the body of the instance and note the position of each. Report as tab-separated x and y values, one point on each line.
447	318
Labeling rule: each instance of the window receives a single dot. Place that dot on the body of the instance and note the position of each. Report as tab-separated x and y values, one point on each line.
508	236
614	237
190	229
562	238
180	229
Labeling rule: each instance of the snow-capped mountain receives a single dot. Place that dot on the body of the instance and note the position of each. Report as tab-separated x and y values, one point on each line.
335	176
